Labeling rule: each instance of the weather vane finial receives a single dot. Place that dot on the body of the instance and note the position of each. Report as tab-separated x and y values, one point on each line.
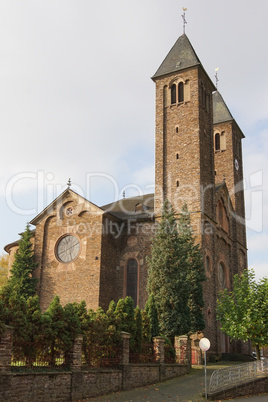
216	76
184	19
69	183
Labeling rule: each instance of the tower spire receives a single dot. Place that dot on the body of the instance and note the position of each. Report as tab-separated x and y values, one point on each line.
184	19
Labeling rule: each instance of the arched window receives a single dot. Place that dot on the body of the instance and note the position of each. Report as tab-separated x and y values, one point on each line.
132	279
209	316
165	95
222	217
173	94
217	142
207	263
181	94
222	275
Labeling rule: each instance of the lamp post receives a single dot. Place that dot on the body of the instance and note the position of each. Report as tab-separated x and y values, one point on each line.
204	345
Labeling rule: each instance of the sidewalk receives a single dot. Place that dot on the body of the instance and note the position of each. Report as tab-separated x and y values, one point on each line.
188	388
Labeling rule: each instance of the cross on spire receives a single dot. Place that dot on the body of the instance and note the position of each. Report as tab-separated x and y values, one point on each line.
184	19
69	183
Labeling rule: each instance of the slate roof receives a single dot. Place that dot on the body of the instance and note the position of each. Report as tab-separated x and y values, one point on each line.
221	113
140	207
181	56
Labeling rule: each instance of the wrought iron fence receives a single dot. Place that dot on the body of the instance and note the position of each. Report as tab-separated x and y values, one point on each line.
169	354
29	357
146	355
102	356
229	376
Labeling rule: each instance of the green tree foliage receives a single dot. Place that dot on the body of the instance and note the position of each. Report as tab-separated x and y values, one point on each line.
243	312
16	317
39	328
167	277
124	315
39	337
65	325
72	327
3	316
55	314
83	316
151	311
137	330
3	269
23	267
146	328
195	270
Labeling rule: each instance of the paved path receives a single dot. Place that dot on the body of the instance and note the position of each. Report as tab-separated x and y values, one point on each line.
188	388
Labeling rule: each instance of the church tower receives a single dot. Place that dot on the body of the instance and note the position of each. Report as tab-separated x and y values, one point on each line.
184	149
198	161
229	168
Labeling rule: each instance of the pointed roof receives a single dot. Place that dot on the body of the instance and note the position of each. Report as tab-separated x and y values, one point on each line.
54	204
181	56
221	113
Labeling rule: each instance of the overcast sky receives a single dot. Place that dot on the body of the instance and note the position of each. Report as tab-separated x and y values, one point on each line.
76	98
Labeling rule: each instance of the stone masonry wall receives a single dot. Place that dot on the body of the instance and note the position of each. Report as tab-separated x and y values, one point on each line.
80	384
258	386
65	279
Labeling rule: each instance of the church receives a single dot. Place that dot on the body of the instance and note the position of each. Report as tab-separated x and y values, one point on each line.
98	253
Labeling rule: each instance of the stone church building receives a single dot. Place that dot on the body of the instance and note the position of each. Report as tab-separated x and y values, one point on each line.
98	254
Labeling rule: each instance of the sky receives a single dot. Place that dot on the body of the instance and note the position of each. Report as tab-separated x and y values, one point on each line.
77	101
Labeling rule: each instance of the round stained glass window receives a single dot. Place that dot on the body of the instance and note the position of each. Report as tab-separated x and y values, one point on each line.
68	248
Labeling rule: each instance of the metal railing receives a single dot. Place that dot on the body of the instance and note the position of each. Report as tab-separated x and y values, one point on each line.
228	377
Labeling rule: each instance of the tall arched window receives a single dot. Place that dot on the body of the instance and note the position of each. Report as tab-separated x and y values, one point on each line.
207	263
173	94
165	95
132	279
181	94
222	275
217	142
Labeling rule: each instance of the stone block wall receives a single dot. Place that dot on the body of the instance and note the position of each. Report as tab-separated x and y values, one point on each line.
258	386
78	384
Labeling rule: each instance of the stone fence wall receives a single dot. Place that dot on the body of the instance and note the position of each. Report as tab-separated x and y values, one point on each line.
254	387
78	384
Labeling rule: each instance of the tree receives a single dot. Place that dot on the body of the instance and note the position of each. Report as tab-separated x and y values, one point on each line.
138	330
151	311
167	276
14	308
23	267
195	271
124	313
3	269
243	312
146	328
124	316
55	314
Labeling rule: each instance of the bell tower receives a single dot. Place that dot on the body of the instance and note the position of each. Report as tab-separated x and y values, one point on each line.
184	149
228	167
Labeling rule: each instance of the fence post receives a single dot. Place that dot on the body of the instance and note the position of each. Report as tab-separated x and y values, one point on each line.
6	345
76	354
183	350
159	349
125	347
125	336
